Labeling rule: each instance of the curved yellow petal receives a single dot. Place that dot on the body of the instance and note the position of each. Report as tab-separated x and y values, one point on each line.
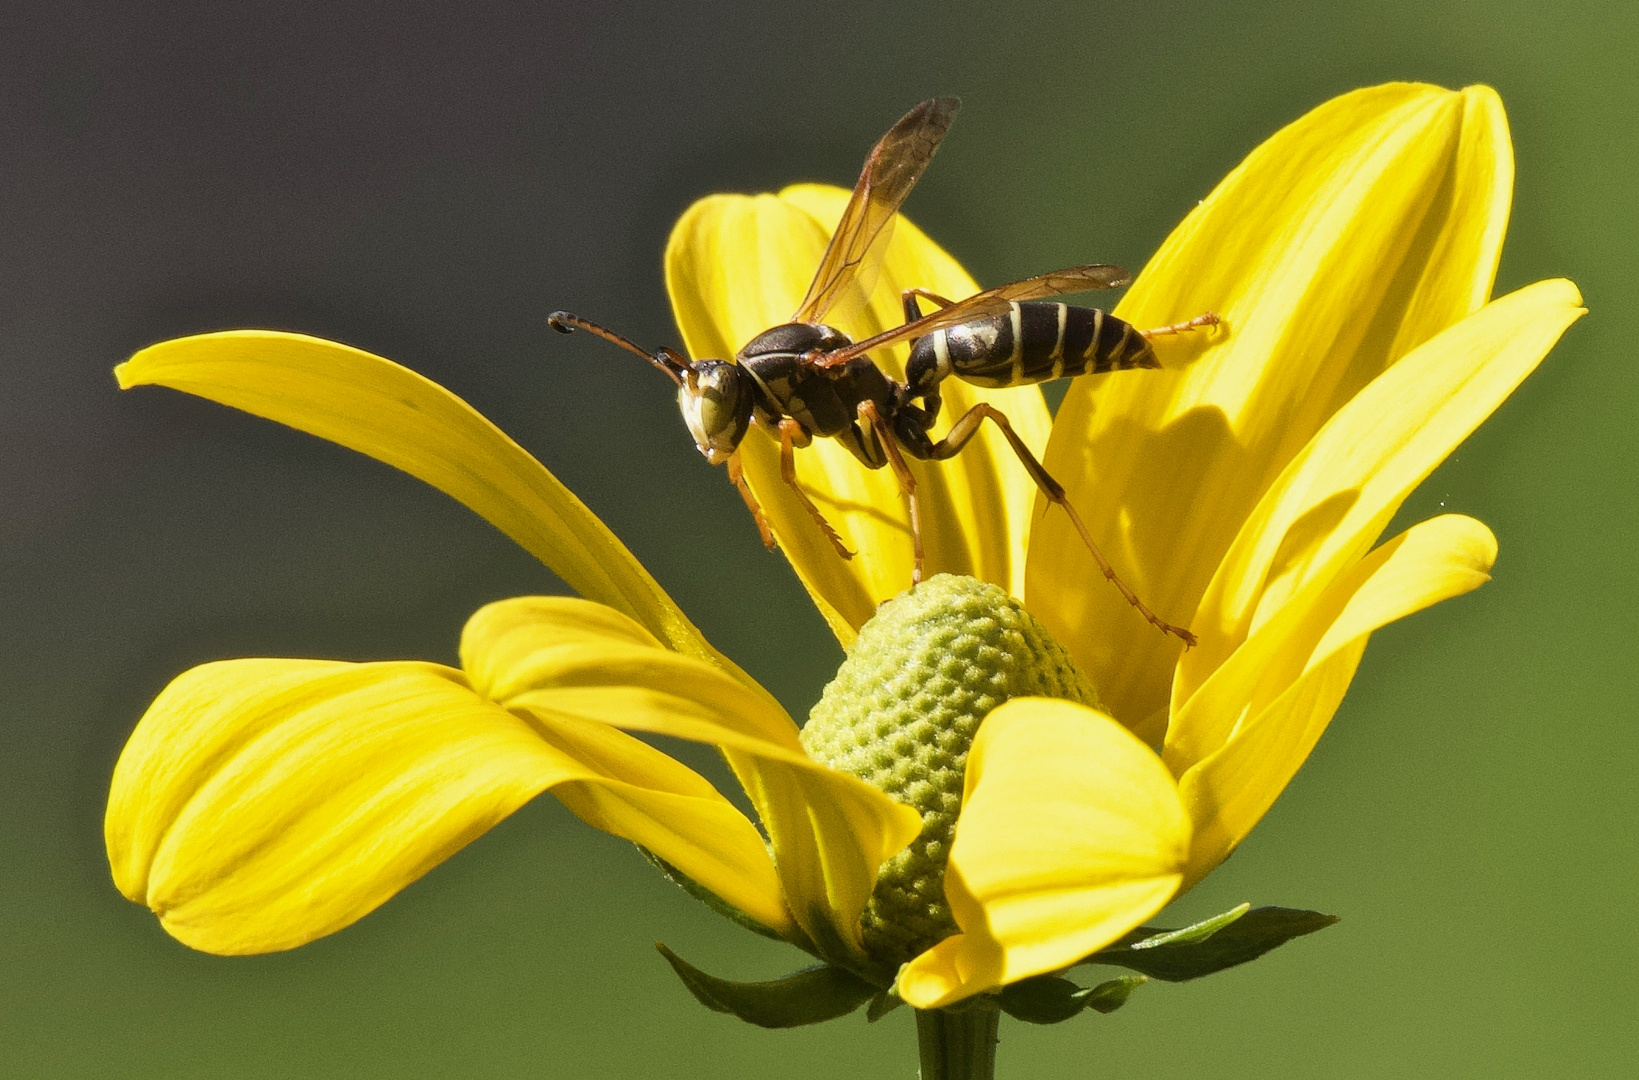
567	661
263	803
1071	834
1280	650
1338	494
737	265
390	413
1341	243
649	798
1270	703
829	831
530	645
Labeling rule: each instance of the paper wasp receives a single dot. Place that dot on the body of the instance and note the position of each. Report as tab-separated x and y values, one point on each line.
804	378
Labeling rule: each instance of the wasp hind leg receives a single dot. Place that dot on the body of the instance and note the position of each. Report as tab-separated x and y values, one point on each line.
964	429
1205	319
791	433
913	310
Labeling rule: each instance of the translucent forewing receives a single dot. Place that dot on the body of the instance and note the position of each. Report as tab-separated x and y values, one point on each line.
894	166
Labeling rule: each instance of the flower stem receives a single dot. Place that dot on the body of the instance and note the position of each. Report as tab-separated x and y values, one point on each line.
957	1045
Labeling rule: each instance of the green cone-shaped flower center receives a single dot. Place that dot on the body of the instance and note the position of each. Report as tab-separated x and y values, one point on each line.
903	711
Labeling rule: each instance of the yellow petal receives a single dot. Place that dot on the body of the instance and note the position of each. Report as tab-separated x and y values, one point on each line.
263	803
1280	650
1270	703
1342	242
532	650
1071	834
568	661
738	265
392	414
830	832
1336	497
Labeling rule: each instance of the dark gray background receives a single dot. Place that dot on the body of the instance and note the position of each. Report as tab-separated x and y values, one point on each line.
427	181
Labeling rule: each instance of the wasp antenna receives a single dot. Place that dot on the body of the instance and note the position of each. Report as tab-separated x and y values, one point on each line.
664	359
673	359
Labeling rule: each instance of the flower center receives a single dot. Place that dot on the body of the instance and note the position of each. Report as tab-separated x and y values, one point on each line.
901	714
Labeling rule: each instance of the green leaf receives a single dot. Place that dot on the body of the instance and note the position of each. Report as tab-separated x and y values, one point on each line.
1045	999
1048	999
810	996
1223	941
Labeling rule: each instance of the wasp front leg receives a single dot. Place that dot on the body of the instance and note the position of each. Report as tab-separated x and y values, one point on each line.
869	413
737	477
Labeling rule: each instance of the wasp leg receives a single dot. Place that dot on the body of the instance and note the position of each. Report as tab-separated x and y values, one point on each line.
907	482
790	433
864	445
968	426
737	477
913	310
1207	319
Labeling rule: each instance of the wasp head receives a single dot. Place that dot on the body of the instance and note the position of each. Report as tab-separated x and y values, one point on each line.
715	399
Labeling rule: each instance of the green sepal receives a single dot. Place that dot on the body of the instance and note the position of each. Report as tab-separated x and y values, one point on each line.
1048	999
885	1002
1211	945
810	996
829	946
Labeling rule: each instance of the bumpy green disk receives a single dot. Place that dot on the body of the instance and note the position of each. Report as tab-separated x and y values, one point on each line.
903	711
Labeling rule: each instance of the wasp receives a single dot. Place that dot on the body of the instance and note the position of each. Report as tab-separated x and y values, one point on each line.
805	379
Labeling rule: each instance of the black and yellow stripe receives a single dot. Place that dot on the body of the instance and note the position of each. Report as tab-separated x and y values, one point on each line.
1033	342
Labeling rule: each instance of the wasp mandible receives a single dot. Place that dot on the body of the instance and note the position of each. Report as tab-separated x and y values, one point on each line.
804	379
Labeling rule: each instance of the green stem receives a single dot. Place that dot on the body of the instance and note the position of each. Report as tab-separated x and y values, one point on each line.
957	1045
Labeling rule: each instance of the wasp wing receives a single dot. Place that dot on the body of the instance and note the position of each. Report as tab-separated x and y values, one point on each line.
995	301
894	166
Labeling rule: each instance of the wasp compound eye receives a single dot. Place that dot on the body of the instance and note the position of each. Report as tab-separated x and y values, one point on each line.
716	404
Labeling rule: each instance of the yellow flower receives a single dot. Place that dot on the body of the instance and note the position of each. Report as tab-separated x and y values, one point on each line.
1240	491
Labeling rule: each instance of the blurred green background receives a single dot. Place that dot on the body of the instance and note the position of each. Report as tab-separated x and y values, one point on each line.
428	181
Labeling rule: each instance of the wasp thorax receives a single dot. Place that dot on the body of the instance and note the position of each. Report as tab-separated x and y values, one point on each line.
716	403
901	714
794	339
